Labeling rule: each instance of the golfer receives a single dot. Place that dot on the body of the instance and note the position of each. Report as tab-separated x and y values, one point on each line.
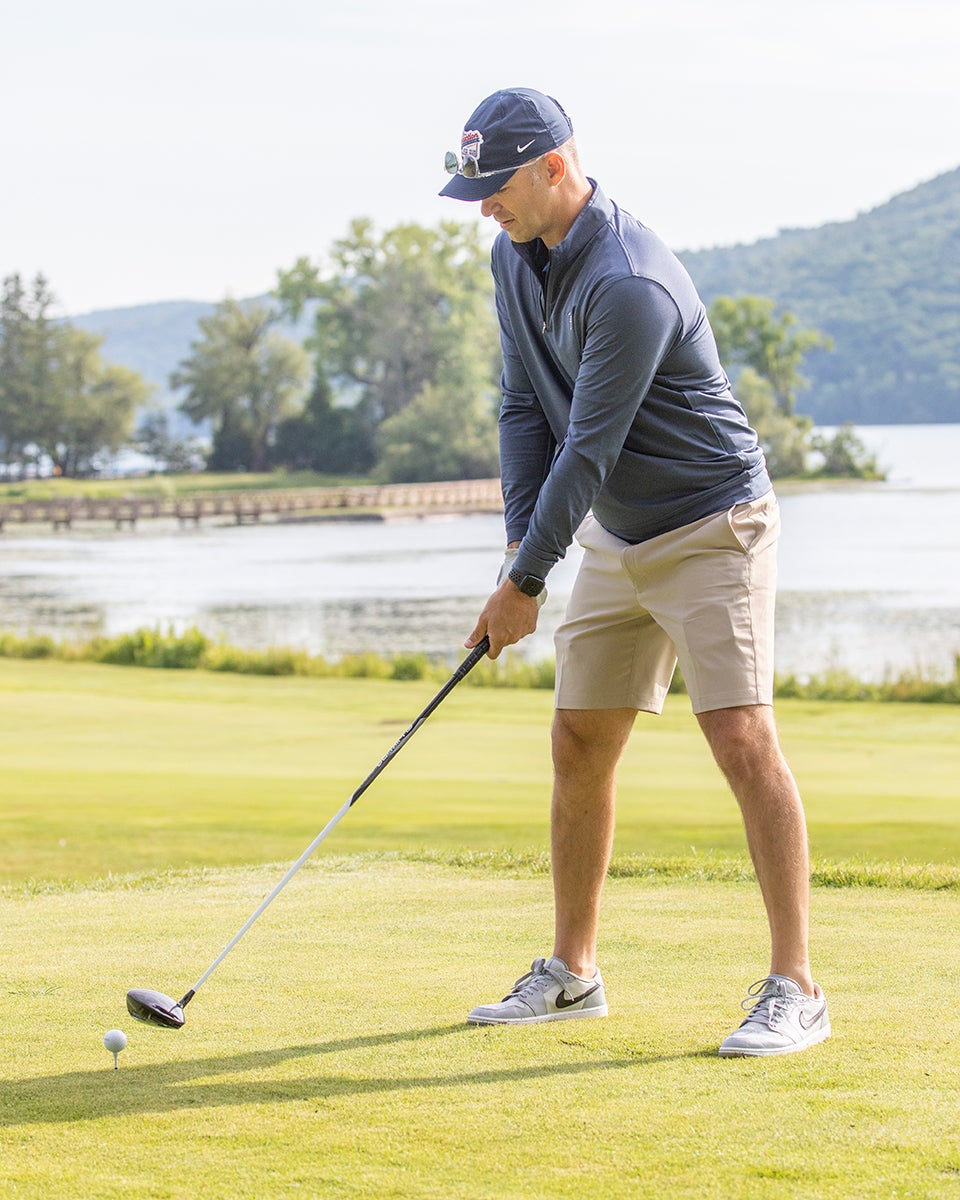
619	427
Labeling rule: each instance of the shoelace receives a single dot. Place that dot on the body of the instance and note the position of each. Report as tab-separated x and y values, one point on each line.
531	981
770	994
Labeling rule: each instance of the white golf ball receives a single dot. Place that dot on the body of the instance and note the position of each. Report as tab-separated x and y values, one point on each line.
115	1040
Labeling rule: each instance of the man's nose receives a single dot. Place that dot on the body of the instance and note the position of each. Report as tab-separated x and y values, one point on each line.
489	206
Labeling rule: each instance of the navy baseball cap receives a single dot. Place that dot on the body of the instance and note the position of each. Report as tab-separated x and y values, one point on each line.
512	127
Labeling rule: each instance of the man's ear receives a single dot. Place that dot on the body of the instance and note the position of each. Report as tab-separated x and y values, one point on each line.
556	168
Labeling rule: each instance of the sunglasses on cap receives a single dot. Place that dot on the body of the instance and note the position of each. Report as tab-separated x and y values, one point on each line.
469	167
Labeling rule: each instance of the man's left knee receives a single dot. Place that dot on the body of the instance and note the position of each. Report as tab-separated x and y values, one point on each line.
742	739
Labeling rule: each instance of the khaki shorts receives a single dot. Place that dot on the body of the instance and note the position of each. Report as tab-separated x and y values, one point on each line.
703	594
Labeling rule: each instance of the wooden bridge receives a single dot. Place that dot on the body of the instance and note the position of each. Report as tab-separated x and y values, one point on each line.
464	496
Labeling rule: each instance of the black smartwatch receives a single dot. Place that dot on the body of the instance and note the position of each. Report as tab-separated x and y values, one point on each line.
530	585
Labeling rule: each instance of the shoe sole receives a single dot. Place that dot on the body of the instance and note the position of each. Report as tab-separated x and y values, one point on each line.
560	1016
741	1052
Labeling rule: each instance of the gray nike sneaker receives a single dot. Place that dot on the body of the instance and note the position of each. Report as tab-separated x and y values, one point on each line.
782	1019
548	992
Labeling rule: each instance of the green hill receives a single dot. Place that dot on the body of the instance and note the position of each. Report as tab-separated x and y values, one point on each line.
885	286
149	338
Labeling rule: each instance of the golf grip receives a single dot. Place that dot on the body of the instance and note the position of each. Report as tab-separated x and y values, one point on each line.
463	670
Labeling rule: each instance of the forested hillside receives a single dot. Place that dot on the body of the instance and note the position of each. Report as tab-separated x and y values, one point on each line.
885	286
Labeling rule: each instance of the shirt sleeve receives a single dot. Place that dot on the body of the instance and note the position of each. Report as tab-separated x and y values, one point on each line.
628	330
526	441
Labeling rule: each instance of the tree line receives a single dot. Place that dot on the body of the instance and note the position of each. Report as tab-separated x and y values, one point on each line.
396	378
58	399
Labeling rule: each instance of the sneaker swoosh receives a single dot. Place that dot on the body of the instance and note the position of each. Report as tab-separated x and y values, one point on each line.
802	1017
565	1001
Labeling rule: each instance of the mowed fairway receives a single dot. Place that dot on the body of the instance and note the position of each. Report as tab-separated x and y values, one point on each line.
145	814
112	770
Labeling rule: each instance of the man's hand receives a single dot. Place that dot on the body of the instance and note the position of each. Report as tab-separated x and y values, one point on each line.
507	617
509	559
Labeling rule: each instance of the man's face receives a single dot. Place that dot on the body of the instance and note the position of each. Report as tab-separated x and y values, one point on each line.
524	207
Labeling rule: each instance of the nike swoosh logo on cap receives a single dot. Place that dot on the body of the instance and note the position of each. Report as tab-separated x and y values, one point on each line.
520	149
565	1001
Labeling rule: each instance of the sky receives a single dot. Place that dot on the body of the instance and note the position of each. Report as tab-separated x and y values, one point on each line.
191	149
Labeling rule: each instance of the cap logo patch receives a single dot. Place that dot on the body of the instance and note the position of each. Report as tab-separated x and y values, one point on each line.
470	145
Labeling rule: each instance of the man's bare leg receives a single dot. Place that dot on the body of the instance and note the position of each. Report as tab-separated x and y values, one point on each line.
587	746
745	744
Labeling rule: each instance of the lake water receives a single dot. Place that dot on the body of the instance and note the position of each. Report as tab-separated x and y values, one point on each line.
869	575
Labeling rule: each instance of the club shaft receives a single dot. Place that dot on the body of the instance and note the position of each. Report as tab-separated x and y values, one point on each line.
464	669
268	900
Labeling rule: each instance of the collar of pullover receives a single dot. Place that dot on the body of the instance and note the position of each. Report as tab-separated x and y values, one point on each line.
596	213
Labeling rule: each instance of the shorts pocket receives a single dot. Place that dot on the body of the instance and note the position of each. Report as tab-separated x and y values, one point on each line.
754	523
592	536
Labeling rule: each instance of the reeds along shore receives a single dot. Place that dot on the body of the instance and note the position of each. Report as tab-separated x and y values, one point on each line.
193	650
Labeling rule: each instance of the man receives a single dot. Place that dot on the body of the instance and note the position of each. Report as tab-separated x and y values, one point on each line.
618	425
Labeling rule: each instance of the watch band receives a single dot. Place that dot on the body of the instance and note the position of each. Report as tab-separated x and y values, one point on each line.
530	585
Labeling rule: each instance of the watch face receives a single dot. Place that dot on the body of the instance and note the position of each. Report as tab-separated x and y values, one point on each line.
531	585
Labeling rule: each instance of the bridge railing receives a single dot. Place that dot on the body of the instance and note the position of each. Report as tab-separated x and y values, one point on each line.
467	495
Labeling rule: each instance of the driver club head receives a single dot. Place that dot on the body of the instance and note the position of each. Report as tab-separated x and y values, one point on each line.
154	1008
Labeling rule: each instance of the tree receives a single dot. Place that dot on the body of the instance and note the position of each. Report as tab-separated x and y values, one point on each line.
91	404
14	391
243	377
770	351
324	438
844	455
155	439
749	333
394	313
27	355
57	396
440	435
782	437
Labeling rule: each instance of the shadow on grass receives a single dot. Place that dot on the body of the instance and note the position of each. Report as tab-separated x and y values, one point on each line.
175	1085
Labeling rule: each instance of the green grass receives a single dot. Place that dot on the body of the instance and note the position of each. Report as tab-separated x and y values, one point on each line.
146	813
328	1057
115	770
168	485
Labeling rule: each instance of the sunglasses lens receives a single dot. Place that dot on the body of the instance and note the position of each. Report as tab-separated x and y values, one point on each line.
471	168
451	164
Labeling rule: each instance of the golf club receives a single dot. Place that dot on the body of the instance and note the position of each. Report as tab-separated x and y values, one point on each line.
156	1008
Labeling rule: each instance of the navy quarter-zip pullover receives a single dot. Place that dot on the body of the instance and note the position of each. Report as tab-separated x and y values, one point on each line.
614	398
